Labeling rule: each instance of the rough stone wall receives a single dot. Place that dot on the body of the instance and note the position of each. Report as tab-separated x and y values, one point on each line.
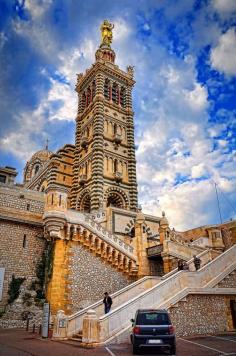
228	282
14	257
90	277
21	199
200	314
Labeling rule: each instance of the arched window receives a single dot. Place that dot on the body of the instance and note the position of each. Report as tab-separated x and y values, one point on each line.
36	168
85	203
106	88
115	165
93	89
122	97
114	199
115	93
89	97
115	129
83	101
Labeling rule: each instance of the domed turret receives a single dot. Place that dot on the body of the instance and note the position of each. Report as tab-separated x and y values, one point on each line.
37	161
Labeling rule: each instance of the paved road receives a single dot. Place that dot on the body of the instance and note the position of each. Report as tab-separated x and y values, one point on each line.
22	343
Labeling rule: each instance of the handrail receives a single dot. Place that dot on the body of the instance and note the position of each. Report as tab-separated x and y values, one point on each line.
189	262
99	304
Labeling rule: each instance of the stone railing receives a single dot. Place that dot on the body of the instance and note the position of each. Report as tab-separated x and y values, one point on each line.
179	250
75	320
76	218
205	257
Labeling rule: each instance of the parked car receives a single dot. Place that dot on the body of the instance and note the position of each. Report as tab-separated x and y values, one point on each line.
152	328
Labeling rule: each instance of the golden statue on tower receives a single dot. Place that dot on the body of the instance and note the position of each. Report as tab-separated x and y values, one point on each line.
106	32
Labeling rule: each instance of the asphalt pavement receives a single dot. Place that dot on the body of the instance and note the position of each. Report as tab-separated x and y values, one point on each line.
22	343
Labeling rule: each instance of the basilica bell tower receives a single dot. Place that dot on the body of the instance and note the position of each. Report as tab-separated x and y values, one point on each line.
104	171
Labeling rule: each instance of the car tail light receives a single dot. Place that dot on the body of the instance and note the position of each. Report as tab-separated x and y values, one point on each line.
171	329
136	330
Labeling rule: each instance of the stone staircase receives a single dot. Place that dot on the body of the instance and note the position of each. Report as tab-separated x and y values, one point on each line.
129	292
83	229
164	293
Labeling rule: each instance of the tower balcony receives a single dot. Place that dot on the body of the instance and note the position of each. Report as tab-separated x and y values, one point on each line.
82	179
117	138
118	176
84	142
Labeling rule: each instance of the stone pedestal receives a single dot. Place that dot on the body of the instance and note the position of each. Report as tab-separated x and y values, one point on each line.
90	329
60	326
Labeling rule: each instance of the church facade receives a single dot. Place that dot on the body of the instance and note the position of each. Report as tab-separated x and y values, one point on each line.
76	213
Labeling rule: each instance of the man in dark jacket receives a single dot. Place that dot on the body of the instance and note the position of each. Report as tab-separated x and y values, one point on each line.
107	302
180	265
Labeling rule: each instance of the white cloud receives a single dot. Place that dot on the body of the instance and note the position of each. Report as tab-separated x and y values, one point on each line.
198	171
65	95
224	54
3	39
196	98
19	142
37	8
225	6
121	30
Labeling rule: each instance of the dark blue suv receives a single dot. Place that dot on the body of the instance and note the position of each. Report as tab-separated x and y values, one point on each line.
152	328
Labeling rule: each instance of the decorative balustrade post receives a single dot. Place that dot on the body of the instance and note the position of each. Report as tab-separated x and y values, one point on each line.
60	326
90	328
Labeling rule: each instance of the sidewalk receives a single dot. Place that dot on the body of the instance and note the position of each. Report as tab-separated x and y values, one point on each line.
22	343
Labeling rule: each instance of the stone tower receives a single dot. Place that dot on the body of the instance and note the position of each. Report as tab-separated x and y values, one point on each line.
104	172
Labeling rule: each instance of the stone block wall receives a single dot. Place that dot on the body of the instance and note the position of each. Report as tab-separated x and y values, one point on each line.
90	277
21	249
21	199
228	282
200	314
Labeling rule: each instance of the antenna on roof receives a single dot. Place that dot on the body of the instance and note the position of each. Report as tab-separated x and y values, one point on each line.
218	203
46	144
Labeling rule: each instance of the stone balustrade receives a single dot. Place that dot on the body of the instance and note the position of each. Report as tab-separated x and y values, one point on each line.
179	250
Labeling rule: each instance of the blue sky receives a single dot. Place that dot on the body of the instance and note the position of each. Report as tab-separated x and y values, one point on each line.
184	53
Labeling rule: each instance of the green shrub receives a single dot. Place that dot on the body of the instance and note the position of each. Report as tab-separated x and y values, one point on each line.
14	288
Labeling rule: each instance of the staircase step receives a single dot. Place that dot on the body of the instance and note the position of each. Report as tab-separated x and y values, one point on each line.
175	305
77	339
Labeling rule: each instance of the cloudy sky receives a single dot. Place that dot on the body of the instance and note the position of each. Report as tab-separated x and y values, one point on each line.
184	53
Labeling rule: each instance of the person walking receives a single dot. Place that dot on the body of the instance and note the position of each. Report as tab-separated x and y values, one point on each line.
107	302
185	266
180	265
197	262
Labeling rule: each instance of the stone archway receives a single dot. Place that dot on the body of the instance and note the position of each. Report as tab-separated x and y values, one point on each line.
85	204
116	197
116	200
84	201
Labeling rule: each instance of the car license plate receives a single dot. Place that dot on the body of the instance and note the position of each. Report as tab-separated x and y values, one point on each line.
155	341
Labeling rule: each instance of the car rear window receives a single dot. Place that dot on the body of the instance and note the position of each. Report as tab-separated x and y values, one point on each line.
152	318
